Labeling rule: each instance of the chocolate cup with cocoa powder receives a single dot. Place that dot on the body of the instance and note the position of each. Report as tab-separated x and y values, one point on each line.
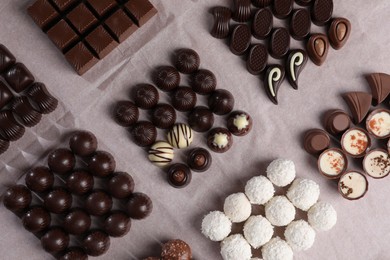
369	125
368	145
339	185
343	169
385	163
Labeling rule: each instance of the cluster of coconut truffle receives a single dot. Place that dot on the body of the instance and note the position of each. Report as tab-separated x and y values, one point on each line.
258	231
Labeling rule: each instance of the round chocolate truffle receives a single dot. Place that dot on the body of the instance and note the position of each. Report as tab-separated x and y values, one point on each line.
221	102
187	60
55	240
144	133
145	96
139	206
101	164
180	136
98	203
161	153
204	82
126	113
121	185
58	200
166	78
77	222
117	224
74	253
96	243
36	219
17	198
163	116
199	160
61	161
83	143
201	119
176	249
219	140
80	182
39	179
239	123
179	175
183	99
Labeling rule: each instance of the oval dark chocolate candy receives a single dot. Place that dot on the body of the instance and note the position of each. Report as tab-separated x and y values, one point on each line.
199	160
39	179
179	175
187	61
317	48
304	2
300	24
163	116
28	115
240	39
139	206
83	143
126	113
257	59
166	78
221	27
101	164
61	161
321	11
339	32
96	243
221	102
183	99
262	23
17	198
203	82
36	219
296	61
242	10
201	119
144	133
279	43
10	129
273	79
261	3
55	240
282	8
41	96
145	96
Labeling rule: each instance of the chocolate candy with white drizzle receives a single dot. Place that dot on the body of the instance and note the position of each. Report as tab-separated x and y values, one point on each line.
161	153
180	136
272	81
296	61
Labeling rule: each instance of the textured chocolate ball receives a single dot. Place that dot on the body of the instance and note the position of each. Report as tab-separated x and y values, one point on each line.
183	99
201	119
83	143
176	249
74	253
101	164
179	175
219	140
58	200
186	60
163	116
98	203
17	198
121	185
239	123
126	113
139	206
39	179
221	102
36	219
80	182
61	161
117	224
77	221
96	243
203	82
199	160
145	96
55	240
144	133
166	78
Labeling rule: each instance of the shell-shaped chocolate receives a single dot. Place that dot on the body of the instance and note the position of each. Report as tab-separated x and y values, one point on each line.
144	133
187	60
240	39
321	11
166	78
126	113
96	243
180	136
317	48
257	59
163	116
261	3
262	23
5	94
10	129
179	176
242	10
184	99
339	32
273	79
282	8
296	61
41	96
161	153
28	115
300	24
203	82
279	43
221	27
221	102
4	145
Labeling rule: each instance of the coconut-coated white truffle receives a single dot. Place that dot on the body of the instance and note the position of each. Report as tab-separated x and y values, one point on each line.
281	172
235	247
216	226
322	216
258	231
259	190
256	258
303	193
280	211
300	235
237	207
277	249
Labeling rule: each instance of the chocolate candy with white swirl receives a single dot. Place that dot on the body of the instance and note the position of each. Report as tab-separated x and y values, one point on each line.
161	153
180	136
219	140
296	61
239	123
272	81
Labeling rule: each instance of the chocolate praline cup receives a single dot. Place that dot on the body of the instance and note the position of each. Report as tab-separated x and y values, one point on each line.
376	125
239	123
336	121
341	185
219	140
335	163
179	175
316	141
363	146
380	163
199	160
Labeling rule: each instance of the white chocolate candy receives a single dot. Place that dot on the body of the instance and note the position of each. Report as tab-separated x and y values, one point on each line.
161	153
353	185
377	163
180	136
355	142
379	124
221	140
331	162
241	122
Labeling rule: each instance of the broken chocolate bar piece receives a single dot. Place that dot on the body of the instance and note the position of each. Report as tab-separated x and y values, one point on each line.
141	11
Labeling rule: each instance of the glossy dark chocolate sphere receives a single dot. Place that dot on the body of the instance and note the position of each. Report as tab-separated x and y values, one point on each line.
144	133
199	160
101	164
121	185
221	102
39	179
61	161
166	78
179	175
203	82
187	60
55	240
36	219
17	198
145	96
58	200
126	113
117	224
176	249
183	99
77	221
139	206
98	203
96	243
80	182
164	116
83	143
74	253
201	119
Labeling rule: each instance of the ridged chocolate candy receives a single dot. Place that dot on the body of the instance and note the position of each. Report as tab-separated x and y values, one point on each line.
262	23
77	222
300	24
163	116
126	113
55	240
183	99
257	59
242	10
144	133
221	102
139	206
74	253
117	224
221	27
339	32
317	48
296	61
179	175
201	119
10	129
28	115
187	60
240	39
96	243
219	140
80	182
101	164
41	96
17	198
359	103
5	95
121	185
321	11
98	203
380	86
199	160
83	143
279	43
58	200
273	79
282	8
36	219
145	96
203	82
166	78
61	161
39	179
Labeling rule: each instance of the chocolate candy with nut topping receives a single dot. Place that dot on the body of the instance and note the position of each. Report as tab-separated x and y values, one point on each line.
336	121
83	143
126	113
163	116
353	185
380	86
199	160
339	32
315	141
187	61
166	78
219	140
356	142
201	119
332	163
176	249
144	133
239	123
203	82
317	48
145	96
139	206
296	61
61	161
274	77
378	123
376	163
359	103
179	175
17	198
221	102
39	179
221	27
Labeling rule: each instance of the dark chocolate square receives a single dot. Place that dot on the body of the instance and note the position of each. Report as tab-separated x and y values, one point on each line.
101	42
141	10
62	5
19	77
62	35
81	58
120	25
42	12
7	59
102	6
82	18
5	95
